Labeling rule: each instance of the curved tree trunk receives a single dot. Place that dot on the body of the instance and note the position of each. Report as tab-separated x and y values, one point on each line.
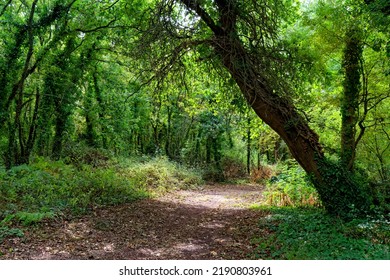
278	112
338	188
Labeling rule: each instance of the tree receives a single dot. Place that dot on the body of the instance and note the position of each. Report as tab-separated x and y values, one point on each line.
47	48
351	40
243	39
26	48
352	57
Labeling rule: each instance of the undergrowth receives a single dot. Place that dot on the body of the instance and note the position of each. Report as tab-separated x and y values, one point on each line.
48	189
288	185
158	175
311	234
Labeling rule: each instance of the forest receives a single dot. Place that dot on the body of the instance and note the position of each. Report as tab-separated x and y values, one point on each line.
112	112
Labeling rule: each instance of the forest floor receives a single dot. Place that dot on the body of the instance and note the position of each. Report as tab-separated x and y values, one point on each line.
211	222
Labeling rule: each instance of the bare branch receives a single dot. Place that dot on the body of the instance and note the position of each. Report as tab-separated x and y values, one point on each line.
175	56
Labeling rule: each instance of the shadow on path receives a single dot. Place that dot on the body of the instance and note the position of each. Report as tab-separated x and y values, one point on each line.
210	223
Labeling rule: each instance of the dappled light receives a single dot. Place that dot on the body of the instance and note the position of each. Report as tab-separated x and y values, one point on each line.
194	129
210	223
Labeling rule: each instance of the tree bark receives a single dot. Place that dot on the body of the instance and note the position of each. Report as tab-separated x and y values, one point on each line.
101	113
350	98
248	146
278	112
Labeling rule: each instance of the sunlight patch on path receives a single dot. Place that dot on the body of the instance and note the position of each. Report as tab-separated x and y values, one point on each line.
212	222
218	197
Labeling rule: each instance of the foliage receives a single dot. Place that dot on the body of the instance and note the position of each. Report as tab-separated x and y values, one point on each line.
27	218
159	175
78	154
263	173
45	187
84	83
345	194
290	187
233	168
310	234
6	232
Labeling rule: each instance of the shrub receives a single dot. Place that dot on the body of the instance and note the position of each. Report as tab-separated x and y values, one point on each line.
290	187
233	168
159	175
79	154
46	186
6	232
262	173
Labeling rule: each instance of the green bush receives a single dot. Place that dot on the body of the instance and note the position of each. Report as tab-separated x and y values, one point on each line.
79	154
290	187
27	218
159	175
28	193
9	232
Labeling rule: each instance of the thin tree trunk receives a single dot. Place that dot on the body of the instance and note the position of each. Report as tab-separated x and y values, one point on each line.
248	146
25	155
168	131
99	99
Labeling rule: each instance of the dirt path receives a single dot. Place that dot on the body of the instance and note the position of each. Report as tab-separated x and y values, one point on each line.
214	222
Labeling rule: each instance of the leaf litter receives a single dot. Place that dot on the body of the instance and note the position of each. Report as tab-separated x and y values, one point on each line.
213	222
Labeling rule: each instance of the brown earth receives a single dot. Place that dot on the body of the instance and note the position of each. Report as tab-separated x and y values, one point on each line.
212	222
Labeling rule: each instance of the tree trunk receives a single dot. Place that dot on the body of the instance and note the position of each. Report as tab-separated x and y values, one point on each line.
339	190
32	131
90	134
350	99
168	133
58	137
248	146
99	99
62	114
278	112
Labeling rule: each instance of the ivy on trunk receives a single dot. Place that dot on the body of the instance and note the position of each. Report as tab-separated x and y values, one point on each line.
339	197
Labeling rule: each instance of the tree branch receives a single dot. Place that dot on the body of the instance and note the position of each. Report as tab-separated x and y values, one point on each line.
96	28
176	54
193	5
5	7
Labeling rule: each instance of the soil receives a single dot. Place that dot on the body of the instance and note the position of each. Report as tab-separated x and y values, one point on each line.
212	222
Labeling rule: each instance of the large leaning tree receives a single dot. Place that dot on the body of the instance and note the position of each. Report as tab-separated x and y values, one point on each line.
241	38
